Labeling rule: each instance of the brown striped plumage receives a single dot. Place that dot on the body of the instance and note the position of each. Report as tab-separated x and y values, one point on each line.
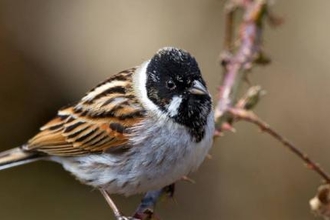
97	123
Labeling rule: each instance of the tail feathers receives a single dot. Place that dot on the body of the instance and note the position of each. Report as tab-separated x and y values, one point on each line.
15	157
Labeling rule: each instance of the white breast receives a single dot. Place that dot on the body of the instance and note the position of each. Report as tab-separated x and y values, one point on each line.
160	155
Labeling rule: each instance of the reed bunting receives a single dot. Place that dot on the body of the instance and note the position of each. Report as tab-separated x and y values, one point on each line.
140	130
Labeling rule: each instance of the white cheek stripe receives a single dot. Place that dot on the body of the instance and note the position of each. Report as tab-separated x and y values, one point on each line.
174	105
139	85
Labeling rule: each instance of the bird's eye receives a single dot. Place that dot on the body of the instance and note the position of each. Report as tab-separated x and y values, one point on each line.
170	85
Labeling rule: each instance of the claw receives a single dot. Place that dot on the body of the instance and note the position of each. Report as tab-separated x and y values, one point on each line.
185	178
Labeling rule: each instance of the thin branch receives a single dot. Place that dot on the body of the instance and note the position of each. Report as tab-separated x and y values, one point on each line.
236	65
241	114
235	68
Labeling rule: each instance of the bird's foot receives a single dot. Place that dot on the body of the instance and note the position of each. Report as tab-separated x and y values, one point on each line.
147	214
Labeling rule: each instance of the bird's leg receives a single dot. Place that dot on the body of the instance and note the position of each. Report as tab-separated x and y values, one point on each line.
113	206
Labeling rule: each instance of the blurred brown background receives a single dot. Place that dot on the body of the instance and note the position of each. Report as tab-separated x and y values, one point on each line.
52	52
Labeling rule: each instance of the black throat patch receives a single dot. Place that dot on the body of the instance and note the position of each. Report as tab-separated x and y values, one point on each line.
193	114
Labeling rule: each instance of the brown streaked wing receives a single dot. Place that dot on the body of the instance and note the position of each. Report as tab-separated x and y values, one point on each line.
98	123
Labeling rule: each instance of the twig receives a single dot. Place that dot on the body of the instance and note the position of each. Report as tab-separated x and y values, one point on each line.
236	65
235	68
241	114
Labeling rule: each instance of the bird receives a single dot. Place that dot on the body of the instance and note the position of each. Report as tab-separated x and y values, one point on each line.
140	130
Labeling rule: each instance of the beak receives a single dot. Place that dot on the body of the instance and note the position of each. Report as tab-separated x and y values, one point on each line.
198	88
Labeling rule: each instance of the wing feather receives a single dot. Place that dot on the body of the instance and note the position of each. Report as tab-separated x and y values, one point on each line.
99	122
